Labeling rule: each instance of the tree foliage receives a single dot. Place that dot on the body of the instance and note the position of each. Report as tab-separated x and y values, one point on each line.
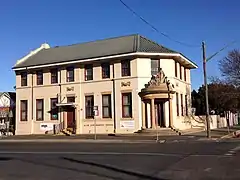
230	67
222	97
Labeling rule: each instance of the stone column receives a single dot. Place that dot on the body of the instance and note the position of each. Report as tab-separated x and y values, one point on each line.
153	114
143	116
170	113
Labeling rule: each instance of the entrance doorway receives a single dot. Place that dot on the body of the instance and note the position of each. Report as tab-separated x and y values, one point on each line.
159	112
71	118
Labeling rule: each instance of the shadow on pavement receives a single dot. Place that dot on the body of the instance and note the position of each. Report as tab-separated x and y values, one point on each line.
142	176
70	169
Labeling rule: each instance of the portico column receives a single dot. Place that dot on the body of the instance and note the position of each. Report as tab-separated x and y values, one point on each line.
153	114
143	116
170	113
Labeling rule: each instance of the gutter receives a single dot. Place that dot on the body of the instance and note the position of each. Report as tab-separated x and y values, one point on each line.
114	102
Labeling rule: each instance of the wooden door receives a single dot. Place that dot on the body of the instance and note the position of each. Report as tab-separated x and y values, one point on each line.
71	118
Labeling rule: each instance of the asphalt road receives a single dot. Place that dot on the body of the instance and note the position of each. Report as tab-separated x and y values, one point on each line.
182	160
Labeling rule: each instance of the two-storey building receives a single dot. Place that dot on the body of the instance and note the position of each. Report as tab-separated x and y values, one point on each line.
135	83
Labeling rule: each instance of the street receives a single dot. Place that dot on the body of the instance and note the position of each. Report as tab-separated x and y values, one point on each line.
120	161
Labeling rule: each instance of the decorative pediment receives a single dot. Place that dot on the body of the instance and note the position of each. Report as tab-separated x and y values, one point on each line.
157	80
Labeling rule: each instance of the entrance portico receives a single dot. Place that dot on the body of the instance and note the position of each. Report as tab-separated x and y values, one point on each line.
158	93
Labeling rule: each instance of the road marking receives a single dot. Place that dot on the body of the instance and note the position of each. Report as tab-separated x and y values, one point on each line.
233	151
90	153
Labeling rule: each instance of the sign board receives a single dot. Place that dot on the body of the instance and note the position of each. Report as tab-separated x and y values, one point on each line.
96	112
46	126
127	124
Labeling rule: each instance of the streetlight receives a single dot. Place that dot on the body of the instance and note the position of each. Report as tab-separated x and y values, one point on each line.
205	60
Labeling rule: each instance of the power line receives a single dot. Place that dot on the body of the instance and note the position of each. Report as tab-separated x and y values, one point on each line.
154	28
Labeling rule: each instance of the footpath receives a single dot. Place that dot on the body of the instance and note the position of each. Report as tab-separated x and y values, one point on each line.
216	135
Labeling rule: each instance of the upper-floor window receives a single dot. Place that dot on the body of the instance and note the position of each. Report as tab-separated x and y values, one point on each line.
180	71
54	76
70	74
24	79
89	103
39	78
71	99
126	105
54	109
23	110
176	69
105	70
106	106
88	72
126	70
39	109
155	66
185	74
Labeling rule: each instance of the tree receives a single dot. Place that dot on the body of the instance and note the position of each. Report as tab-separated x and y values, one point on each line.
222	97
230	67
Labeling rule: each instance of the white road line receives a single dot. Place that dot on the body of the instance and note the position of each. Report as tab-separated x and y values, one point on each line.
233	151
90	153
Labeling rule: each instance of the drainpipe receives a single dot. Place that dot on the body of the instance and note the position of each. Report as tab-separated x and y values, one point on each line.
60	97
32	106
114	102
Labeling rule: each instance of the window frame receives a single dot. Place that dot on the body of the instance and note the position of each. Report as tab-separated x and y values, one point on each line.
88	67
71	99
89	108
158	66
186	105
180	71
109	106
129	94
185	74
24	79
54	76
177	104
105	70
176	69
40	109
53	106
182	109
68	77
39	77
125	68
26	110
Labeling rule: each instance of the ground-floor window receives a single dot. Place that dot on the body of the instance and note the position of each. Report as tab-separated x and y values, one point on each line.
177	104
23	110
39	109
89	103
126	105
186	104
106	106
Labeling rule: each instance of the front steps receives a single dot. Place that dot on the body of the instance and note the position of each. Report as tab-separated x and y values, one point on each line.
67	131
160	131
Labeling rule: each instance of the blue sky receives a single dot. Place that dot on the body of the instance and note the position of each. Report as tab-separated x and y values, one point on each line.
26	24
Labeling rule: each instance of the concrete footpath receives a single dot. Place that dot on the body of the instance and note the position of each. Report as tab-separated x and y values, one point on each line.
216	135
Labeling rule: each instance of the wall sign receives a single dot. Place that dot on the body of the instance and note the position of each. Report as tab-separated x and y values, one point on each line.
70	88
46	126
123	84
127	124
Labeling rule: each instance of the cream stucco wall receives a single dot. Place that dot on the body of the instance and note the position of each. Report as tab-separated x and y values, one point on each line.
140	75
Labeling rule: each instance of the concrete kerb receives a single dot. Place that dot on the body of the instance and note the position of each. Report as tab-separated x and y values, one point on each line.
75	141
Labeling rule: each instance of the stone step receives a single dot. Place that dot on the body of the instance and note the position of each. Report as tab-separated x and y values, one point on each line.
160	131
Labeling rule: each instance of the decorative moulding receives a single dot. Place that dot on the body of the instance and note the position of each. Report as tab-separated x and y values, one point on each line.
123	84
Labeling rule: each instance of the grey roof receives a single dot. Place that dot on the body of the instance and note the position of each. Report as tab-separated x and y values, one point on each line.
99	48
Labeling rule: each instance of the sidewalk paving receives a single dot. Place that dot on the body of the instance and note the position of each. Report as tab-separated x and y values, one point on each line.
216	134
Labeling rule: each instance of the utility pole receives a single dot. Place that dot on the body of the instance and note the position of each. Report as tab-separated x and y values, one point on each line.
206	89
